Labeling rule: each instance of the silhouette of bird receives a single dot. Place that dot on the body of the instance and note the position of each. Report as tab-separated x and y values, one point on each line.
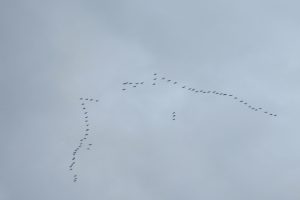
123	89
81	98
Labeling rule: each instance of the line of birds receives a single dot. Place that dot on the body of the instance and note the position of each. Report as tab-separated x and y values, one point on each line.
173	116
84	101
156	79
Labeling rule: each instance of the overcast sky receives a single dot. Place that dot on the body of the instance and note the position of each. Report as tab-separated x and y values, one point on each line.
54	52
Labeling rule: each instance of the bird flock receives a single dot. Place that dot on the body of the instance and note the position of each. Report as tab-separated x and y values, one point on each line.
173	116
83	142
156	80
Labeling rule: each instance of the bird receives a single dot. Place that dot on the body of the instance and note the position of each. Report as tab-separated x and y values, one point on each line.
155	74
87	129
86	99
81	98
153	84
125	83
123	89
175	82
134	86
169	80
142	82
97	100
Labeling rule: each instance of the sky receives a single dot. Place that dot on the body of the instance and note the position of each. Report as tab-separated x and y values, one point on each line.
53	53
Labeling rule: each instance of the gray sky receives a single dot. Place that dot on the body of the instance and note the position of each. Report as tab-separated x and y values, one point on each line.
54	52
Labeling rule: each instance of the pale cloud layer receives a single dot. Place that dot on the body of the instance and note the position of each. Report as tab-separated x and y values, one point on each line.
54	52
